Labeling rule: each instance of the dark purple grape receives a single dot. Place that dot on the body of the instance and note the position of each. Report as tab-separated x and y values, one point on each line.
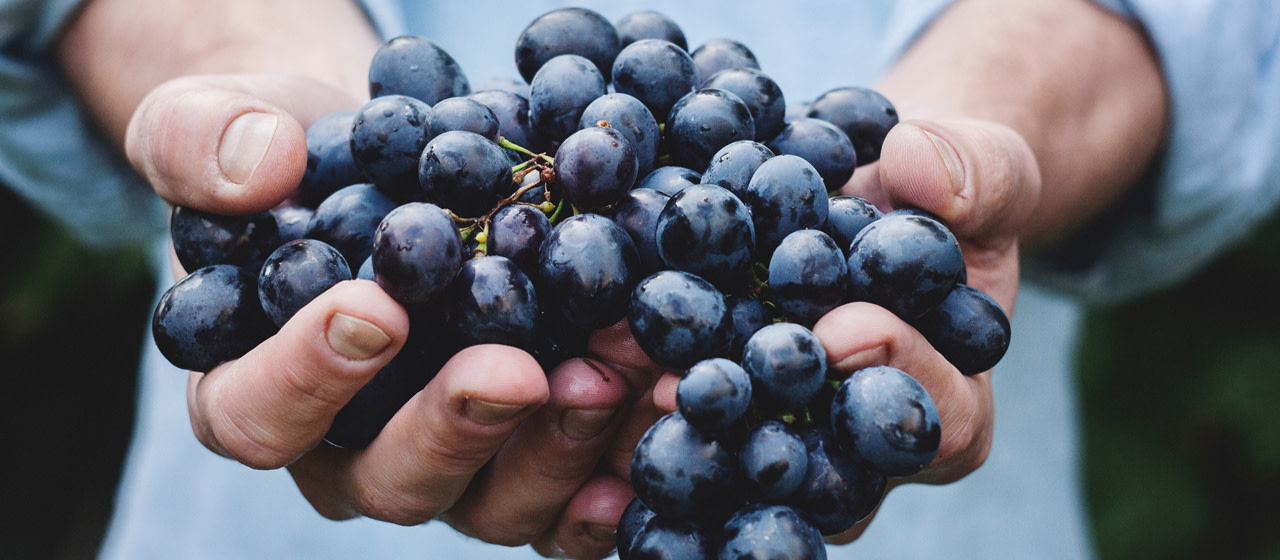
560	92
679	319
886	418
762	95
968	328
292	222
296	273
209	317
637	213
863	114
663	539
517	232
837	491
707	231
704	121
681	474
387	138
202	238
648	24
713	395
556	339
629	116
348	219
465	172
416	67
823	145
416	253
904	263
785	195
787	365
770	532
722	54
772	462
576	31
634	518
748	316
492	302
512	111
733	166
595	167
586	270
462	113
808	276
656	72
511	85
670	179
847	215
330	165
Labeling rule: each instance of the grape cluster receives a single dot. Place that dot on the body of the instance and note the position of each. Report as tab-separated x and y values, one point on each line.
627	178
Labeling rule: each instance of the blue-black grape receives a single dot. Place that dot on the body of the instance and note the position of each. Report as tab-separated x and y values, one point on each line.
887	419
748	316
713	395
330	165
772	462
656	72
462	113
862	113
761	93
808	276
785	194
704	121
417	67
417	251
633	519
722	54
586	270
560	92
348	219
679	319
681	474
823	145
637	213
664	539
648	24
847	215
629	116
576	31
707	231
969	329
670	179
595	167
517	232
904	263
838	491
292	222
296	273
202	238
770	532
210	316
387	137
512	112
733	166
787	364
492	302
465	172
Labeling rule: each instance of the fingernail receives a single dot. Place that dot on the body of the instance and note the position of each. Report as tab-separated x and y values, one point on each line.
244	145
354	338
602	532
955	170
583	424
858	360
488	414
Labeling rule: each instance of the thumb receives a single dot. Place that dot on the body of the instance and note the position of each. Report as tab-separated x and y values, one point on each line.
229	144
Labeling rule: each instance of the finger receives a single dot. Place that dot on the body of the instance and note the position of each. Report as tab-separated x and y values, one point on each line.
547	459
424	458
859	335
588	528
230	144
276	402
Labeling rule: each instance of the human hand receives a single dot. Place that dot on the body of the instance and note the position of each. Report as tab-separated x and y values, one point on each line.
493	445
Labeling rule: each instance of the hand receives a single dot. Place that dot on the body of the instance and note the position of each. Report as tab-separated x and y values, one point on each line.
493	446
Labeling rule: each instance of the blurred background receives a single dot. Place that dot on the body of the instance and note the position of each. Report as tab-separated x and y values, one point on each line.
1182	435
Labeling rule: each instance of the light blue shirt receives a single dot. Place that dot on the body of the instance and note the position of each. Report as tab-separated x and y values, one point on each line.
1220	176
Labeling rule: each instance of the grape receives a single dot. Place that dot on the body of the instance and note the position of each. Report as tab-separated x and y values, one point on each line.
968	328
492	302
787	365
330	165
722	54
512	112
634	518
807	276
517	232
387	138
629	116
707	231
772	462
296	273
681	474
762	95
462	113
765	532
209	317
202	239
560	92
587	267
847	215
888	419
416	253
904	263
417	67
465	172
576	31
863	114
837	491
637	213
713	395
785	195
733	166
704	121
292	222
748	316
662	539
596	167
823	145
679	319
348	219
648	24
670	179
656	72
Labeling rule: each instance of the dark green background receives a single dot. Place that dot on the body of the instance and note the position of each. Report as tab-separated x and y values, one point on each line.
1182	437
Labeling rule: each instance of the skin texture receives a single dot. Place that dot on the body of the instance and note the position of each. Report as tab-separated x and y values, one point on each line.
1001	101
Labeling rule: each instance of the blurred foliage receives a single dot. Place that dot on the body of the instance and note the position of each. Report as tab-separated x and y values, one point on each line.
1179	397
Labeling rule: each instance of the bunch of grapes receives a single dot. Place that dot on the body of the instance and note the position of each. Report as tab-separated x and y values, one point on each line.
626	178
